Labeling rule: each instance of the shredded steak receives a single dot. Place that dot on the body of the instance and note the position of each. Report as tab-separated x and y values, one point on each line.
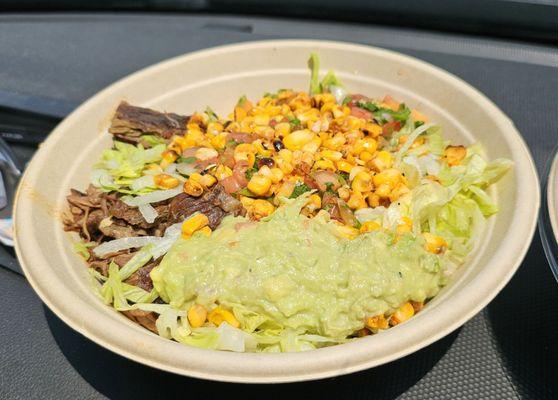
98	216
130	122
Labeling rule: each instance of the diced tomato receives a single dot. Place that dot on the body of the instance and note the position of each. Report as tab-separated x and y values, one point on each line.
241	137
239	173
360	113
391	127
230	184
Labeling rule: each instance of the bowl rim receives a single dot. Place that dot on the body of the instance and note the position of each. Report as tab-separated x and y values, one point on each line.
335	360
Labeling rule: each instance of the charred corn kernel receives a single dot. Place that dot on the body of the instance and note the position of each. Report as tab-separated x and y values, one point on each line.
355	171
367	144
327	165
344	166
365	156
222	172
265	171
390	177
169	156
402	229
261	119
214	128
277	175
307	157
297	139
205	153
207	180
336	142
153	167
373	200
312	146
193	188
246	201
245	152
354	123
383	190
356	201
285	166
180	141
286	155
344	193
331	155
369	226
402	314
197	315
434	244
376	322
454	154
239	114
205	231
259	184
219	315
382	161
398	191
265	132
165	181
337	111
362	182
260	149
345	231
219	141
261	208
193	224
283	129
196	177
194	136
314	202
373	129
244	148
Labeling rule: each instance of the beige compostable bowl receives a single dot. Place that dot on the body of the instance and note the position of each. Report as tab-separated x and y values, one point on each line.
217	77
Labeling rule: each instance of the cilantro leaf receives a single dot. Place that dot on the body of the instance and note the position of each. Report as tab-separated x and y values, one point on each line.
188	160
329	188
295	122
241	101
211	114
250	172
299	189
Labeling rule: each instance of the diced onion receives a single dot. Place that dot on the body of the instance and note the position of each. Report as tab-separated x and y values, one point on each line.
117	245
142	183
153	197
171	169
186	168
370	214
148	212
338	92
162	244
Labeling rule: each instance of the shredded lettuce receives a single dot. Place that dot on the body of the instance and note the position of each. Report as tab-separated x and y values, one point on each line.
122	165
82	249
153	140
330	83
314	65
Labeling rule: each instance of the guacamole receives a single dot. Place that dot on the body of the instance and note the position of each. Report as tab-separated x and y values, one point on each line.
298	273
